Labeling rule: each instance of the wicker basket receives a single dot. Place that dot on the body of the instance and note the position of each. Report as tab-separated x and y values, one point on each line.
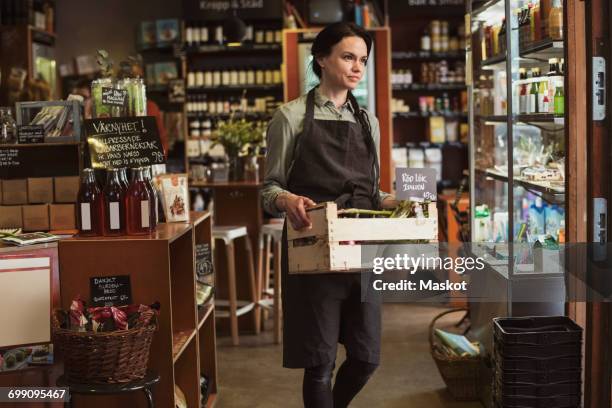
101	358
461	374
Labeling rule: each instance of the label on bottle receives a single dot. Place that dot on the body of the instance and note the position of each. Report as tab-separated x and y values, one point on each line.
523	103
542	103
532	103
144	214
85	217
115	221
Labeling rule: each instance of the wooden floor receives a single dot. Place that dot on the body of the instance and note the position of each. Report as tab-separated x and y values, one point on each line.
251	375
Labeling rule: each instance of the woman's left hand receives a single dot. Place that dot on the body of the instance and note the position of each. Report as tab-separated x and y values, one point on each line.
389	203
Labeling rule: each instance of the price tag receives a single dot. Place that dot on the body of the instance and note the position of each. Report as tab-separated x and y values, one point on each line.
31	134
111	290
418	184
113	97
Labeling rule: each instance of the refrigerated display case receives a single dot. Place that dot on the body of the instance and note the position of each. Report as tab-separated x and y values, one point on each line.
516	82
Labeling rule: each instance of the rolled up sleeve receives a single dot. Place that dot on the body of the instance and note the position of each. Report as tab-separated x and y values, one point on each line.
376	136
280	139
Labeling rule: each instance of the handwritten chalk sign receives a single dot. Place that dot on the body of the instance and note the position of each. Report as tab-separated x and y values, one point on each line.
417	184
111	290
203	259
123	142
9	158
113	96
31	134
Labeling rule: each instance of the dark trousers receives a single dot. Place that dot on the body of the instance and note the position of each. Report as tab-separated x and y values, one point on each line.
352	375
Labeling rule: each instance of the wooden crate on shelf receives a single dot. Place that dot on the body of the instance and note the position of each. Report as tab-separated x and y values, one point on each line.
334	244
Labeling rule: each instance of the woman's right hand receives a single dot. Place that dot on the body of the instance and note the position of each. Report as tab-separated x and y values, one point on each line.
295	207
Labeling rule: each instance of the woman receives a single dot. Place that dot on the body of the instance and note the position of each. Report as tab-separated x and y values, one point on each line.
323	147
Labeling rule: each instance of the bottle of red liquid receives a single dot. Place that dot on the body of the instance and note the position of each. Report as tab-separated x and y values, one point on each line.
138	204
155	200
90	206
114	204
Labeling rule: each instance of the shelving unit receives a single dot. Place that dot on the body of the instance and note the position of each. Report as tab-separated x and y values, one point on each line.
408	21
161	267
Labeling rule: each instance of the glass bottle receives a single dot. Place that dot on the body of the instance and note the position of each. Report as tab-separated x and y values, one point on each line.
138	204
425	41
155	201
8	127
114	204
555	21
532	105
559	100
523	92
90	206
124	179
543	97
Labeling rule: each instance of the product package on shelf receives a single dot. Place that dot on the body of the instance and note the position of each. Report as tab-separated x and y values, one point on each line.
175	196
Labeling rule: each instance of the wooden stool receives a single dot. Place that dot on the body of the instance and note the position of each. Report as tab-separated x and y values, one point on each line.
145	385
236	307
270	233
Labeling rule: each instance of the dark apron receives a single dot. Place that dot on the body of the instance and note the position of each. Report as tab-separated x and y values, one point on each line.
333	161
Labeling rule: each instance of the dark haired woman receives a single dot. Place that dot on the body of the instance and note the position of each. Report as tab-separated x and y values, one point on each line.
323	147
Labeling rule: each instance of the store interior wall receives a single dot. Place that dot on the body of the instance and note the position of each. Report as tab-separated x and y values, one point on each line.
84	26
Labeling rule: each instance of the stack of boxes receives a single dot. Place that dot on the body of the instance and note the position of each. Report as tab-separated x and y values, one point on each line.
537	362
39	204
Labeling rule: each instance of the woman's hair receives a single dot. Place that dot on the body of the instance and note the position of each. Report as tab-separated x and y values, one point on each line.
332	35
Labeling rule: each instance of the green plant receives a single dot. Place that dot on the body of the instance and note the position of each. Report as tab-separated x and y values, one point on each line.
238	135
105	63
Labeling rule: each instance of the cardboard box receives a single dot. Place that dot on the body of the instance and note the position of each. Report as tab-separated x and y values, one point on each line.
14	192
35	217
62	217
40	190
10	216
66	189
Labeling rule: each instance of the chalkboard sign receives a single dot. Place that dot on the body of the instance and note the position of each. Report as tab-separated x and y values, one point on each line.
31	134
123	142
203	260
113	96
245	9
417	184
111	291
39	160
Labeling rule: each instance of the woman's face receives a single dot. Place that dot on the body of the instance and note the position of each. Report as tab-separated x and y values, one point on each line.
345	65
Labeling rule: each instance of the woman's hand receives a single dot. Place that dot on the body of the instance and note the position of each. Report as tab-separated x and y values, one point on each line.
389	203
295	206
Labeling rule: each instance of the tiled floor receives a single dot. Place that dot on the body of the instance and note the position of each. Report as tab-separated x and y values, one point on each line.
251	375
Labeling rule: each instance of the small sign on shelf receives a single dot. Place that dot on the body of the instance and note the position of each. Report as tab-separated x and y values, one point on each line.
110	291
417	184
31	134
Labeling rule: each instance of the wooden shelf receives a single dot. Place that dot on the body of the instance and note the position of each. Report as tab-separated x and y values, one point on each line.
419	115
231	184
247	115
427	55
212	400
32	145
205	312
234	88
161	267
428	87
213	49
180	341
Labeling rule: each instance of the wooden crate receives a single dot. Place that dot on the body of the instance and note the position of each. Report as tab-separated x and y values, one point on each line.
326	246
